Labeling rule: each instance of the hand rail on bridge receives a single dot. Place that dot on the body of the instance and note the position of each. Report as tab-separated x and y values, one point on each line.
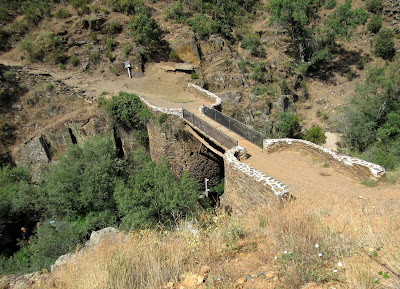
235	126
209	130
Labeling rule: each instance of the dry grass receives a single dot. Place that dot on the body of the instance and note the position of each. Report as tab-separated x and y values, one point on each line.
151	258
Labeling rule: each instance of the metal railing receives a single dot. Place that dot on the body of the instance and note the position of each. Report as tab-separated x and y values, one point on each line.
241	129
209	130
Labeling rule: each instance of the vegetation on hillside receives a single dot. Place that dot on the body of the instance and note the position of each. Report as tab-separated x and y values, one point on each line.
87	189
371	120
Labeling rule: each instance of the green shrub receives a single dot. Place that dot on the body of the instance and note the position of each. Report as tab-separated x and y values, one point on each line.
203	25
62	13
145	30
375	23
253	44
79	3
316	135
260	73
125	6
35	11
95	56
258	89
50	242
4	43
384	43
34	52
194	75
128	110
111	44
330	4
16	206
74	60
173	56
287	125
4	16
284	87
371	121
374	6
175	12
112	28
82	181
154	195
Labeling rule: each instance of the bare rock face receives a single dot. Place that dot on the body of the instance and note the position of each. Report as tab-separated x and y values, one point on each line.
186	48
215	45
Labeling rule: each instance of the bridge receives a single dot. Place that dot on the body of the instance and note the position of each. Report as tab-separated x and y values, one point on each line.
258	169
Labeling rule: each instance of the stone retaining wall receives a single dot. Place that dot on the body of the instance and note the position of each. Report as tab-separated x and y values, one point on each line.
245	187
353	166
174	111
207	94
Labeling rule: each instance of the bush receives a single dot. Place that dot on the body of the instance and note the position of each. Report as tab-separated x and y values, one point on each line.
154	195
125	6
82	181
375	23
62	13
260	73
128	110
371	122
50	242
173	56
253	44
74	60
34	52
374	6
112	28
203	25
316	135
145	30
384	43
287	125
175	12
258	89
330	4
4	44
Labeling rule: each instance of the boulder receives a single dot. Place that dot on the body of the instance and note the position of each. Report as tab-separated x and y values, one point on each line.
97	236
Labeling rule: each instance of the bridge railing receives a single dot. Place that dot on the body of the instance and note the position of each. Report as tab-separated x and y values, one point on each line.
209	130
235	126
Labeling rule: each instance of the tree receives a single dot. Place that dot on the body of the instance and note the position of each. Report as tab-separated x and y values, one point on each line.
384	43
375	24
145	30
153	195
16	206
374	6
370	122
128	110
82	181
296	17
313	46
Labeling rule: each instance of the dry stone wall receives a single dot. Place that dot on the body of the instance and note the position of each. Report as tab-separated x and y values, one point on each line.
184	152
245	187
353	166
197	90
